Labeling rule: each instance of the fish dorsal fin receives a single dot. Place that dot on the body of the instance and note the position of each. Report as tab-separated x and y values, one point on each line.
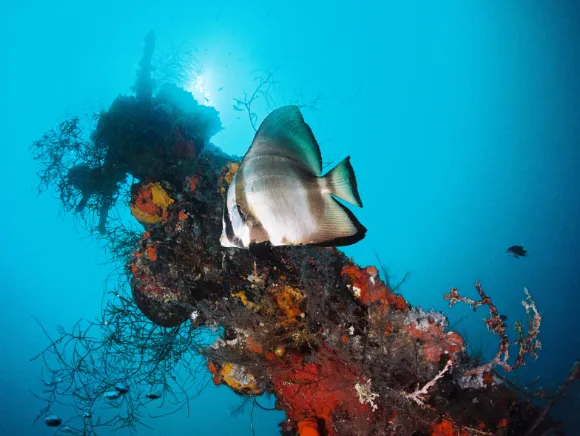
284	132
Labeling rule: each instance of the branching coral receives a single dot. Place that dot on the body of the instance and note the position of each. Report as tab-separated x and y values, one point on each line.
92	362
528	344
61	150
416	396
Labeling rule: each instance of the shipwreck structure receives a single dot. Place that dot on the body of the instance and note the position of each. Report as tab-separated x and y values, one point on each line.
343	353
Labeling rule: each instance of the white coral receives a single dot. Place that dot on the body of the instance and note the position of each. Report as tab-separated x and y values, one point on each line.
366	395
424	320
241	375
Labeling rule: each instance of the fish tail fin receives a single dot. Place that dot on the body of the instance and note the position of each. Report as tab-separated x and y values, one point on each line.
341	182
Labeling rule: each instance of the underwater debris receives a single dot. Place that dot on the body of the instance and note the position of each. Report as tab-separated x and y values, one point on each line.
343	353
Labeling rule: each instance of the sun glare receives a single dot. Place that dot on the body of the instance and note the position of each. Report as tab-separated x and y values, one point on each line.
198	86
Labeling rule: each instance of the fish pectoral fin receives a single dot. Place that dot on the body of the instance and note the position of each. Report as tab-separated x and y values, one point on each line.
262	250
338	226
265	251
341	182
285	132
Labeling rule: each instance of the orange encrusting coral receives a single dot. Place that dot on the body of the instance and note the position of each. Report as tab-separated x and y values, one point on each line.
192	183
367	287
288	300
443	428
228	175
253	346
504	422
149	203
144	280
435	342
151	252
143	201
242	296
239	379
487	378
308	427
215	373
232	169
446	428
307	390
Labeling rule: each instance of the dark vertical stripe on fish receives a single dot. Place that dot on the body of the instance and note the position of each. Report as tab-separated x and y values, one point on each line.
232	238
228	222
316	206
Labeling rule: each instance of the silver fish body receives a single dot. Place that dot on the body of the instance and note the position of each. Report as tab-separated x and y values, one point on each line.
279	195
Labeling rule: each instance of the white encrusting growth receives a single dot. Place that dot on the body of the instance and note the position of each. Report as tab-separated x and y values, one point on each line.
366	395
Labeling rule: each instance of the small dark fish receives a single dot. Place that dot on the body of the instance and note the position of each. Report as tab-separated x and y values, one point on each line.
220	88
121	388
111	395
153	396
517	251
503	317
53	421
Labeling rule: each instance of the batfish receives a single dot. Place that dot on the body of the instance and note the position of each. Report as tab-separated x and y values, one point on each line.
280	197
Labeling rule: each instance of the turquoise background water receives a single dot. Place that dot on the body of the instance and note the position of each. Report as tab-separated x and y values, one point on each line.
462	119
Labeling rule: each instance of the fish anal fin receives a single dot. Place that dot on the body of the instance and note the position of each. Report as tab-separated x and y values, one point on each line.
285	133
341	182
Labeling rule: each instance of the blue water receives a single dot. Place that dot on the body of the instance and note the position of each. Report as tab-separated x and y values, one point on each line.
462	120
